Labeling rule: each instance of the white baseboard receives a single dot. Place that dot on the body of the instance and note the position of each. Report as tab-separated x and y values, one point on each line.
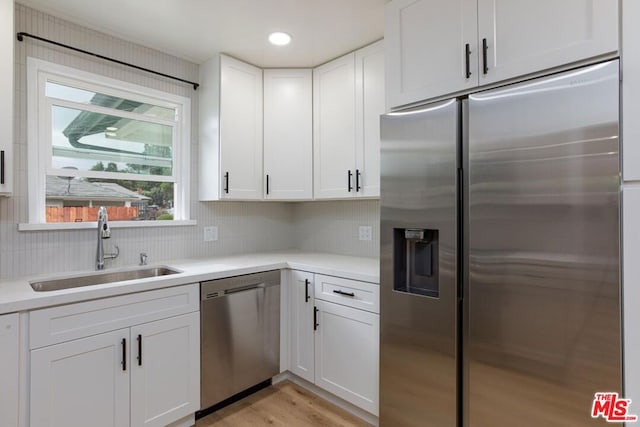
341	403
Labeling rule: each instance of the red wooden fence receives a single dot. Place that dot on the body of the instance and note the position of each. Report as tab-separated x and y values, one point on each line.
80	214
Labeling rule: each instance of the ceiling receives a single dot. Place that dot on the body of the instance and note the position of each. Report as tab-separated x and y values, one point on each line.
198	29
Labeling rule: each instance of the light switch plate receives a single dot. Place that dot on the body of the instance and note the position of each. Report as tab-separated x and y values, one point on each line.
365	232
210	234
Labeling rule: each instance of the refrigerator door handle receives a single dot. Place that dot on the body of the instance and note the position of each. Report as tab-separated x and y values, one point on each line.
467	55
485	47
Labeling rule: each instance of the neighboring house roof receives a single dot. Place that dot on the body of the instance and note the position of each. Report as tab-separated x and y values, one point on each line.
62	188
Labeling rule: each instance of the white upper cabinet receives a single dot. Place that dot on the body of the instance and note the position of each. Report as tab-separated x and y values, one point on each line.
523	36
426	48
348	99
240	130
288	153
334	128
370	104
427	42
6	101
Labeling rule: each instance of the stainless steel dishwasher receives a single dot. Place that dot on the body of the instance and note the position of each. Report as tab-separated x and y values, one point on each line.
240	327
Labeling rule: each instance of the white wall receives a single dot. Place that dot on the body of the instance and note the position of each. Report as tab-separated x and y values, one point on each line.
332	226
631	198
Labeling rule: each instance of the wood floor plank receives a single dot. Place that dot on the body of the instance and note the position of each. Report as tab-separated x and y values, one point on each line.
282	405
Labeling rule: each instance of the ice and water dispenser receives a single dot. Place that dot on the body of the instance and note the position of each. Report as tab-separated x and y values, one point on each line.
416	261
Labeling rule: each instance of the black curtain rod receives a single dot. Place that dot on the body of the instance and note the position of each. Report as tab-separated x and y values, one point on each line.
21	35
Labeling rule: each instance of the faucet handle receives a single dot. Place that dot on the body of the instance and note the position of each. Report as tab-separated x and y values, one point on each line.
143	258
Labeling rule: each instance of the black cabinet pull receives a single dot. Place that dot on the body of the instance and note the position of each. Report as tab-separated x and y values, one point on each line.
347	294
467	55
306	290
124	354
139	350
226	182
349	186
485	67
315	318
267	184
2	167
358	188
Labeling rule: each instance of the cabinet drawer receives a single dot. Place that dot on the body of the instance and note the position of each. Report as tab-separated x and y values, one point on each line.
67	322
352	293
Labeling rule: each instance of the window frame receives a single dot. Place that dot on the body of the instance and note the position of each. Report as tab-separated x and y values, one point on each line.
40	142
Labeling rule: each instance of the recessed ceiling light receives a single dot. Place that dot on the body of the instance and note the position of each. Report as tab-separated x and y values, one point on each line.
112	129
279	39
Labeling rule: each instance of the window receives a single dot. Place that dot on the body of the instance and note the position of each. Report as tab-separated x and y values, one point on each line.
95	141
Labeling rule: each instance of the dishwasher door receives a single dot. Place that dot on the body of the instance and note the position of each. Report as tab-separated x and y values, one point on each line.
240	327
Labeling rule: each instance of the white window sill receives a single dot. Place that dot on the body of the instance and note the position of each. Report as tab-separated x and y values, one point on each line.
113	224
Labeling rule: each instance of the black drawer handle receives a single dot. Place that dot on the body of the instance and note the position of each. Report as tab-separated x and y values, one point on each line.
467	55
485	67
306	290
139	350
226	182
358	187
315	318
349	186
346	294
124	354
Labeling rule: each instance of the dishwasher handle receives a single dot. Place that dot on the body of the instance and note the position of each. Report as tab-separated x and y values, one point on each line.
245	288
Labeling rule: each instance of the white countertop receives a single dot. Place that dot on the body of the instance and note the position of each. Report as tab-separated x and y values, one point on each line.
17	295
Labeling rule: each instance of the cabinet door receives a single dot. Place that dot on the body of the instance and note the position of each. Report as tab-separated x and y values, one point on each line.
165	371
6	101
9	365
525	36
425	44
81	383
370	105
288	161
346	347
301	324
334	128
240	130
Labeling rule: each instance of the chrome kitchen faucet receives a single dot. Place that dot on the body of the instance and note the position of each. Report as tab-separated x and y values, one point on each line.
104	232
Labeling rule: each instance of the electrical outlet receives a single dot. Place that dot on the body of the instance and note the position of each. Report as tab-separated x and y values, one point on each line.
210	234
365	232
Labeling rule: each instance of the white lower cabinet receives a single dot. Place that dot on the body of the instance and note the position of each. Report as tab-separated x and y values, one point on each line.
346	347
9	366
84	382
334	342
147	374
301	324
165	375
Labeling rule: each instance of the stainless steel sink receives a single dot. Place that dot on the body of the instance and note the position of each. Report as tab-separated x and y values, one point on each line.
100	278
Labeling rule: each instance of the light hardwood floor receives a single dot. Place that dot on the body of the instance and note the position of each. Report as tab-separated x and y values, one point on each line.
284	404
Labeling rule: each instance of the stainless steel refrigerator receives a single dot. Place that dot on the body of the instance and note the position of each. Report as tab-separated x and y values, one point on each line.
500	240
